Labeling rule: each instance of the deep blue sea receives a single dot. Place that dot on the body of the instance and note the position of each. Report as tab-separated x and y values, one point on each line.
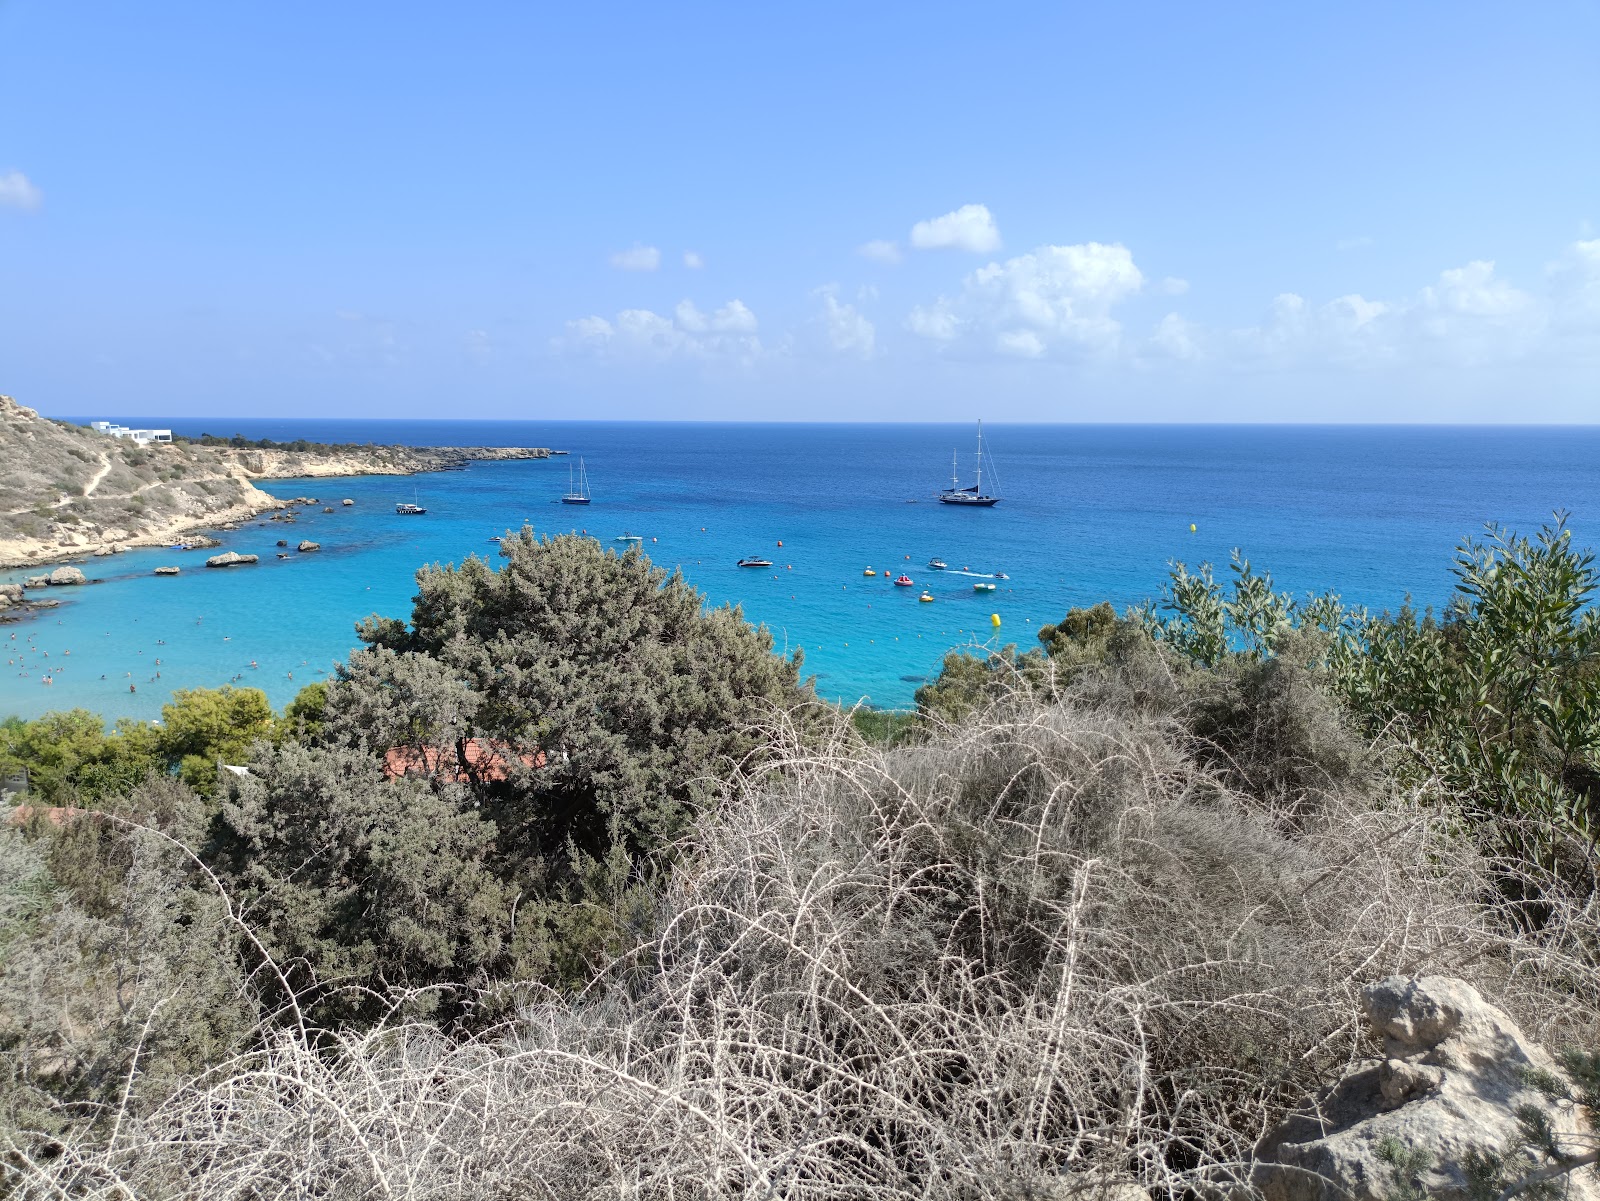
1089	513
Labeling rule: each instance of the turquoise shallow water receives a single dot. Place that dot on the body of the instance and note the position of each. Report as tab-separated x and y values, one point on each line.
1089	513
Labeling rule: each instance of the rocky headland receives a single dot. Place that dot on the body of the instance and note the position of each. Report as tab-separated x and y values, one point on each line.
67	491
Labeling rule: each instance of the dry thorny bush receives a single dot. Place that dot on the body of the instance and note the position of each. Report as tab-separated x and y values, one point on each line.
1046	951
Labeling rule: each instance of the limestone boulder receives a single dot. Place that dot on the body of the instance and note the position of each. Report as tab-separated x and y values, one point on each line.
167	571
11	592
37	581
63	576
1456	1079
231	558
309	545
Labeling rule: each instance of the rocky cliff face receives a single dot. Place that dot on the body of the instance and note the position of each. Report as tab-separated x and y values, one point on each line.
66	490
281	463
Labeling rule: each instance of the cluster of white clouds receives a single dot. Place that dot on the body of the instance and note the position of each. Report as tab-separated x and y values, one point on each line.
1470	316
18	191
639	257
1072	303
1053	299
729	332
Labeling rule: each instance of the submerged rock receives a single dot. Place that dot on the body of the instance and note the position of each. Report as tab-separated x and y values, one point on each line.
167	571
62	576
1449	1101
310	545
231	558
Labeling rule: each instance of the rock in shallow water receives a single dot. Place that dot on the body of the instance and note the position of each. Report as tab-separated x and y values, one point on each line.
231	558
62	576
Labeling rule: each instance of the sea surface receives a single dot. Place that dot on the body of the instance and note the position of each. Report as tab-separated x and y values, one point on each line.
1089	513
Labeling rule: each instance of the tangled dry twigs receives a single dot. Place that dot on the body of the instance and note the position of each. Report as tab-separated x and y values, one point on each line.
1047	953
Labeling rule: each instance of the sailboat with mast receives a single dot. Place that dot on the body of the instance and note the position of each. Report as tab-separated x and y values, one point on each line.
577	493
971	495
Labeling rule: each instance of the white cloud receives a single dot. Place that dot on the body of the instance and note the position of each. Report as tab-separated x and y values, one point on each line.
936	322
845	330
732	317
1469	316
692	260
637	258
1575	287
880	252
728	333
1023	343
1176	338
18	191
969	228
1172	286
1052	299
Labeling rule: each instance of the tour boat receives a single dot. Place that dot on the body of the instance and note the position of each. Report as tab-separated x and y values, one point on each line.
577	494
903	582
972	495
937	564
406	510
753	561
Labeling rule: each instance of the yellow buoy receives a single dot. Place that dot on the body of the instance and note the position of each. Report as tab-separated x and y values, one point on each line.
1191	527
994	620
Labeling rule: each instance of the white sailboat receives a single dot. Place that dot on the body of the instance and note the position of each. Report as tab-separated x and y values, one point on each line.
577	494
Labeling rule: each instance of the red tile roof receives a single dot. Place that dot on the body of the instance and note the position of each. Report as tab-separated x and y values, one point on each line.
466	760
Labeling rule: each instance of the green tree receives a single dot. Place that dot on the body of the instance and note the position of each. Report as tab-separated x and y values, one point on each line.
201	727
357	884
609	705
637	698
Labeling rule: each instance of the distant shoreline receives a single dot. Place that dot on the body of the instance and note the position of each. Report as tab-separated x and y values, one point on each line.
80	494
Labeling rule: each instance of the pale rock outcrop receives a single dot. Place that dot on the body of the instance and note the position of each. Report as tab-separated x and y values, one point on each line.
231	558
310	545
1447	1094
11	592
167	571
37	581
67	575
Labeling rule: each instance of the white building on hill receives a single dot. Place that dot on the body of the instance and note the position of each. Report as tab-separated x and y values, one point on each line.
122	431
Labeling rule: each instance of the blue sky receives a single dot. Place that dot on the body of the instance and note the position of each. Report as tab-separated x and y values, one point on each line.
833	211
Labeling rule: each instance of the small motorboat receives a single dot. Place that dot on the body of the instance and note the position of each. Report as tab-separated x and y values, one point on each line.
937	564
926	597
627	537
752	561
869	571
983	587
903	581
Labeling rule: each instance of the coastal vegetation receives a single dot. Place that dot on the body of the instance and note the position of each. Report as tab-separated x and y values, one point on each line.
568	886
